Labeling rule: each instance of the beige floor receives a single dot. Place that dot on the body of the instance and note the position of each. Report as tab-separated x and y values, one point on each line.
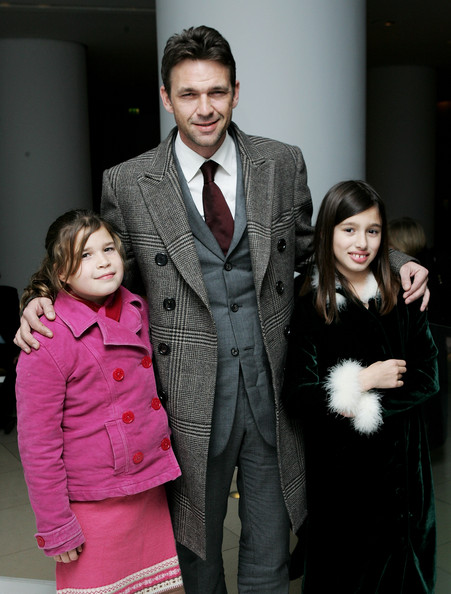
32	572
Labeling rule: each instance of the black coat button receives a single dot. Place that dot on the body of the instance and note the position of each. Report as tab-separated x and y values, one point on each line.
281	245
235	307
164	349
287	331
235	352
169	304
163	397
228	266
280	287
161	259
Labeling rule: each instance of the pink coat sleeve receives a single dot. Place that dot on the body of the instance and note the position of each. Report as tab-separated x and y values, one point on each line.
40	391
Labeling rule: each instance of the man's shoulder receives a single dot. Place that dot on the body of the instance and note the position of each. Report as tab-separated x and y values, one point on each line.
267	147
144	161
138	161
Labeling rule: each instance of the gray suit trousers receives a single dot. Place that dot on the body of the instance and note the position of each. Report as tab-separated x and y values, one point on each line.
265	525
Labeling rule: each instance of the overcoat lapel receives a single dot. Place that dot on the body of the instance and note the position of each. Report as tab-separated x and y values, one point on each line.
201	230
258	177
198	227
163	198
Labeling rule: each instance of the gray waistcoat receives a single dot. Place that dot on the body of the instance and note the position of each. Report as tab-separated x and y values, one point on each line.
230	286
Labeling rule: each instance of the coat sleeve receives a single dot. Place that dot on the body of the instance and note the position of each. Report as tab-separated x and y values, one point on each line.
398	259
421	378
334	390
303	214
337	390
302	387
40	391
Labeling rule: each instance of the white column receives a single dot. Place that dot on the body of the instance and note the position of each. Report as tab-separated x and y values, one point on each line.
301	65
44	147
401	140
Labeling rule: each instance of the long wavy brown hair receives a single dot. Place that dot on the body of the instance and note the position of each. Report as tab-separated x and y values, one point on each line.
63	256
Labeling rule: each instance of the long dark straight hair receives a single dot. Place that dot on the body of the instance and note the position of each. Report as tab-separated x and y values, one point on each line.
342	201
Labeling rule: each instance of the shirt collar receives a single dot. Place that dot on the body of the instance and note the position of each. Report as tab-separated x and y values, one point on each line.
190	161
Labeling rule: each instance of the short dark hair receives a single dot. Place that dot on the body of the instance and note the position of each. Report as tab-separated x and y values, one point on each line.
342	201
196	43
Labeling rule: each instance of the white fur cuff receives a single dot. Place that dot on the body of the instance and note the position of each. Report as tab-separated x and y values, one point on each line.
368	416
346	397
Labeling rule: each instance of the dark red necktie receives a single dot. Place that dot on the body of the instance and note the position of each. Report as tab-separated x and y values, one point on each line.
217	214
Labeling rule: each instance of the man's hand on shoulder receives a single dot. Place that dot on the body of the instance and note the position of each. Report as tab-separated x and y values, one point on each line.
30	320
414	278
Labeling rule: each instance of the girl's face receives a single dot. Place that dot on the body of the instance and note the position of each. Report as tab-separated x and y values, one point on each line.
356	242
101	269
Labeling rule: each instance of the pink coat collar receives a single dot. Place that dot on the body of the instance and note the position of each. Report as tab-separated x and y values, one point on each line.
78	317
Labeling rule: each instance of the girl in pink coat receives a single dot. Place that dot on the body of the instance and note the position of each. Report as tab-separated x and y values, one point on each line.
93	436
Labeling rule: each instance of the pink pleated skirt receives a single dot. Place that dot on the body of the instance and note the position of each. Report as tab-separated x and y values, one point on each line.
129	548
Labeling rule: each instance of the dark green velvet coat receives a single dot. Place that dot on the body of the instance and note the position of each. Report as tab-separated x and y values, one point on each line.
371	523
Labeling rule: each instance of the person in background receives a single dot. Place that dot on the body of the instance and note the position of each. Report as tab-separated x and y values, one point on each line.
360	364
9	300
93	436
407	235
220	292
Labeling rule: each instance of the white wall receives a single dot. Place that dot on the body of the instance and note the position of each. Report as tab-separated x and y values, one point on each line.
301	65
44	147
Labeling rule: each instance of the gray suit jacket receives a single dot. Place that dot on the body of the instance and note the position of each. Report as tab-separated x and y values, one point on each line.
142	198
241	350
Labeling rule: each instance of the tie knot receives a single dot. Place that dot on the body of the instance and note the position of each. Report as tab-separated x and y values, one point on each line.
208	170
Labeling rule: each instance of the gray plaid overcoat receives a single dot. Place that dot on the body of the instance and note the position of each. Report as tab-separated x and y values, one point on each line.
143	200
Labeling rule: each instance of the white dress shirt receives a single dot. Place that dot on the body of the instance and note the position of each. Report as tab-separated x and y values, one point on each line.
226	173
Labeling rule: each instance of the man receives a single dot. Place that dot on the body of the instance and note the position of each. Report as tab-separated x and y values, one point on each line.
219	315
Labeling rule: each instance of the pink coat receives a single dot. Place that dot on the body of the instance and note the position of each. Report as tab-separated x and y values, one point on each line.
90	423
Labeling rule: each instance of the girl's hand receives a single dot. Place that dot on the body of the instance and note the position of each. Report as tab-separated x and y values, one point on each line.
383	374
69	556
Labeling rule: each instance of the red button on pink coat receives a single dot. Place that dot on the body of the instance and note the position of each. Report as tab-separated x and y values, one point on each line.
118	374
166	444
40	540
128	417
156	404
146	362
138	457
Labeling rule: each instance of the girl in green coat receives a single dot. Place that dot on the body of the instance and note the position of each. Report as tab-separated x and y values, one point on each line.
360	364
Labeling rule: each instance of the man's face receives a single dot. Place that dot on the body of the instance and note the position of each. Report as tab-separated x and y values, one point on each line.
202	100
